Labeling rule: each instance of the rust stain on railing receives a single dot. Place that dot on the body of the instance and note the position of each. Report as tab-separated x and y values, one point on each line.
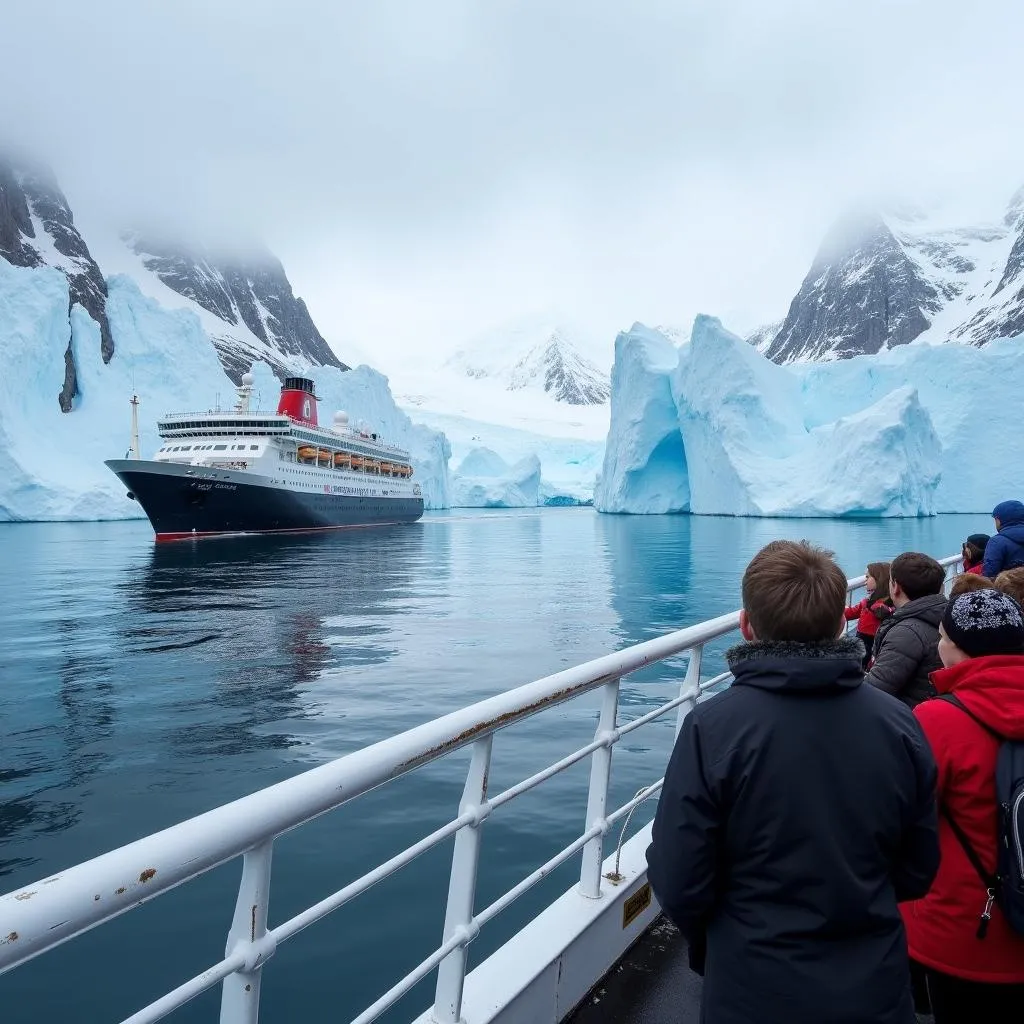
493	724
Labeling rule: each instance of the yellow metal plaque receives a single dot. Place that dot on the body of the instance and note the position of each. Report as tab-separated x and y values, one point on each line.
636	904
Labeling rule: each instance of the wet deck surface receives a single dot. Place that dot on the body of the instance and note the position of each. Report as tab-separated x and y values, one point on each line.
651	984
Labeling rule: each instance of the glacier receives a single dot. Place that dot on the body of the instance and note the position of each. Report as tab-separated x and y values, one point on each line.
714	428
51	462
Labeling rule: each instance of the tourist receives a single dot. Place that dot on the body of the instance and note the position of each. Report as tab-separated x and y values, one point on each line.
967	581
906	645
1006	549
797	810
972	978
1011	582
973	551
870	611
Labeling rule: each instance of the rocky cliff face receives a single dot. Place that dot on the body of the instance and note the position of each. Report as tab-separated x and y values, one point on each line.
861	294
37	229
884	280
257	314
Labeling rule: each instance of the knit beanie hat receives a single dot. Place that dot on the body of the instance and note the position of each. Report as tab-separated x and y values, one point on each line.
984	622
979	540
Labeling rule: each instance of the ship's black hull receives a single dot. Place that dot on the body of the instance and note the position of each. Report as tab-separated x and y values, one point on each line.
181	506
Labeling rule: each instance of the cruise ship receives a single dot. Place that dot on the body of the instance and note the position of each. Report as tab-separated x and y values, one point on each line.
243	471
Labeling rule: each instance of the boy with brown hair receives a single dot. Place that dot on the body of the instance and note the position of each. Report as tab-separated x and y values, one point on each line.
797	811
1011	581
968	581
907	644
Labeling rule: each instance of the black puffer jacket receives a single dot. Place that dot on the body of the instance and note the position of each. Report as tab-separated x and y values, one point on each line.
906	650
798	808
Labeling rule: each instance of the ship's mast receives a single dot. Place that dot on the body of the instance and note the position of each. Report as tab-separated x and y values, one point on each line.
133	452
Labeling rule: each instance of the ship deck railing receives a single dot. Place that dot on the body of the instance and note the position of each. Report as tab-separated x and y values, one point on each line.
280	421
37	918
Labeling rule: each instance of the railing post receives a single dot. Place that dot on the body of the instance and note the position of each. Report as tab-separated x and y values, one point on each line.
690	686
240	995
597	799
451	972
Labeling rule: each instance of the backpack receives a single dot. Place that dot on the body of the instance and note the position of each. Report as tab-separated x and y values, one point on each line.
1006	886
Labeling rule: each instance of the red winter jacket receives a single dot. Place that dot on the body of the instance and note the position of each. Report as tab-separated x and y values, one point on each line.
867	621
942	927
976	569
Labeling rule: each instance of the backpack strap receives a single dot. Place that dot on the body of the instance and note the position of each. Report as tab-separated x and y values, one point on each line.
950	698
988	880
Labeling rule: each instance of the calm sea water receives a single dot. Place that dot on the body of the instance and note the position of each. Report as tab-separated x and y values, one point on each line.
140	685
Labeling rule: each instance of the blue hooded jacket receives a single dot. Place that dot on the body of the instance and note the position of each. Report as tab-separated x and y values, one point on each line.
1006	549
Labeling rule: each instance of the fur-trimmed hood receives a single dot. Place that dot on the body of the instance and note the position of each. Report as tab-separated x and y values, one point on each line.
789	665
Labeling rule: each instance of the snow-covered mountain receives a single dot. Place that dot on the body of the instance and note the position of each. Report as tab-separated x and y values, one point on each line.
255	314
881	280
544	359
246	306
761	337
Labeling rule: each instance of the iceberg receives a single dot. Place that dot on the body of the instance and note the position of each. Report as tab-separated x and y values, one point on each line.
51	462
485	480
569	465
714	428
645	467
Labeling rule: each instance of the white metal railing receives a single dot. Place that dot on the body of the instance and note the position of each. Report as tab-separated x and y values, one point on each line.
41	916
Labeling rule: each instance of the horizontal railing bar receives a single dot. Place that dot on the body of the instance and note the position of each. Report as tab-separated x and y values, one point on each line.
714	681
664	709
312	914
416	975
502	902
188	991
535	780
622	811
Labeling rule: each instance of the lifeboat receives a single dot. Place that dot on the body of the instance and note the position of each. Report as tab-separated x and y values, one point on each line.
307	452
357	462
372	466
341	460
325	455
386	468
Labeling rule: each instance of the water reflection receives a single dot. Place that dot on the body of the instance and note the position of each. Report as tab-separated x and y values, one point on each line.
181	656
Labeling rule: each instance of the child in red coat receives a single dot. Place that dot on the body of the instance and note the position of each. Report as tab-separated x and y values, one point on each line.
874	609
971	978
973	551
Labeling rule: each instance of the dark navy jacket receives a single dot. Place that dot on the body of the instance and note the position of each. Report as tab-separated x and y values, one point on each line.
1006	549
798	808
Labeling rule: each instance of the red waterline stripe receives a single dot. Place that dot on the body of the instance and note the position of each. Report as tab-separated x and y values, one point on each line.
162	538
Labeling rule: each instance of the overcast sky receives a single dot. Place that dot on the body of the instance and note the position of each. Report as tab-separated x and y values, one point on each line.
428	170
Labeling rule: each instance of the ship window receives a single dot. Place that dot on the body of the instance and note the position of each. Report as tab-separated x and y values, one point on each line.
254	447
219	447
